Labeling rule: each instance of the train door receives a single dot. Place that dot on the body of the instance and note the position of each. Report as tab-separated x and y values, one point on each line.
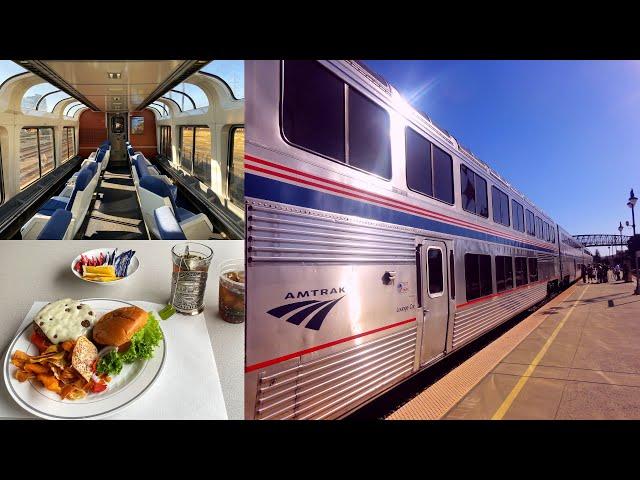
118	137
434	298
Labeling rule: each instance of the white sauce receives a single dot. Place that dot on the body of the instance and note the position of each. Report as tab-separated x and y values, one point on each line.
62	320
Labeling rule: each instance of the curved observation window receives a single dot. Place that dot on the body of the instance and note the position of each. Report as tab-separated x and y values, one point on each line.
9	69
231	71
37	97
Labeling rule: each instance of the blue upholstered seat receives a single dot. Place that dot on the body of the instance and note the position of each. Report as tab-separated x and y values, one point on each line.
167	224
57	225
54	203
162	189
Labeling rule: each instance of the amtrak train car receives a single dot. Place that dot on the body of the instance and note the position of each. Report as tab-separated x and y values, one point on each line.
94	149
375	244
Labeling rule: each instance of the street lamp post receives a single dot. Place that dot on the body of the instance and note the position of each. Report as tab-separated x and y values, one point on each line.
620	228
631	204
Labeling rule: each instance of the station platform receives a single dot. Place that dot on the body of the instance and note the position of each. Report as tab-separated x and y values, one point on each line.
577	357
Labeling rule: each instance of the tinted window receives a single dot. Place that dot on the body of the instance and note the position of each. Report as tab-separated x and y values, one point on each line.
369	139
165	141
539	228
531	226
477	275
533	270
68	143
236	167
500	202
517	212
434	270
504	273
521	271
418	158
474	192
313	108
442	175
47	161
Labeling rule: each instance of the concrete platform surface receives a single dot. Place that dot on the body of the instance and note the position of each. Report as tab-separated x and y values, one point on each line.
574	358
581	362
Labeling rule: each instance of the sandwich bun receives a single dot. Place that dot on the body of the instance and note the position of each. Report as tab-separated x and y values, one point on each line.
117	327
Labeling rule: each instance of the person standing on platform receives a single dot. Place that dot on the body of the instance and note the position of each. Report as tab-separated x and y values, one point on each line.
583	271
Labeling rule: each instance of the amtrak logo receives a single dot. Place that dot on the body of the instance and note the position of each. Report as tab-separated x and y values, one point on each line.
316	309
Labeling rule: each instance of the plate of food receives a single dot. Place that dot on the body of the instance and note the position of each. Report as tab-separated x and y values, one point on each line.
82	359
105	266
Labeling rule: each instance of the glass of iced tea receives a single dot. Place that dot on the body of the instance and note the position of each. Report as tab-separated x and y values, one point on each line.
231	296
191	263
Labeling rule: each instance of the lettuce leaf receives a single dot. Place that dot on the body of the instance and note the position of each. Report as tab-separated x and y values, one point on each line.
142	345
111	364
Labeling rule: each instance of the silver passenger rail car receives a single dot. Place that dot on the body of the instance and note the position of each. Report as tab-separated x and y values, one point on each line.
376	244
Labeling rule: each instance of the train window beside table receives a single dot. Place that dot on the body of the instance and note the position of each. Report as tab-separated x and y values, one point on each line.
500	206
517	211
434	271
521	271
474	192
531	225
504	273
314	117
36	154
477	272
429	168
533	270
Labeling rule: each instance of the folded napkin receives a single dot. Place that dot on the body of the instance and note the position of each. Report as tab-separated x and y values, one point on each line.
188	388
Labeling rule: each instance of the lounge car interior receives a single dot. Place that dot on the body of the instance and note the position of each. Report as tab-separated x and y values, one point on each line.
145	149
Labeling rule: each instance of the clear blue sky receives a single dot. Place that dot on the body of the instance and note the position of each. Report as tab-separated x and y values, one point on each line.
565	133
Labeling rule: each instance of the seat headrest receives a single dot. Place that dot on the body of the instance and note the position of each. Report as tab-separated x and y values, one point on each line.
168	226
82	180
57	225
100	155
156	185
93	166
141	166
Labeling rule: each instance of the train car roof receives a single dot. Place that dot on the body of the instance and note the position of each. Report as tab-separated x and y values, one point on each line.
388	90
114	85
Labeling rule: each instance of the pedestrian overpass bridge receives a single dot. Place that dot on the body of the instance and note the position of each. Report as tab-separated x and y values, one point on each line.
602	240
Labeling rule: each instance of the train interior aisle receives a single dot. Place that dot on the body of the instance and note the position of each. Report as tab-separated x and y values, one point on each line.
121	149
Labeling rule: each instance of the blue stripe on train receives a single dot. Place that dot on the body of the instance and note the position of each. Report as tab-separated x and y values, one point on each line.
260	187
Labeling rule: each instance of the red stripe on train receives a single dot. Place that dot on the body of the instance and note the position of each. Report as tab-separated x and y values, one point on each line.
382	199
289	356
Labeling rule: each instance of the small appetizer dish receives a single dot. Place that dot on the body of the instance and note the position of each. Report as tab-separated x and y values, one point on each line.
105	266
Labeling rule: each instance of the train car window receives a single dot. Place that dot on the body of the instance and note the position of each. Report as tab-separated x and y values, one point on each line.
236	167
315	117
477	270
186	147
195	152
313	108
418	158
531	226
231	71
452	276
434	271
539	228
36	154
165	141
202	155
517	211
500	202
474	192
533	270
68	143
369	140
49	101
504	273
521	271
33	97
442	175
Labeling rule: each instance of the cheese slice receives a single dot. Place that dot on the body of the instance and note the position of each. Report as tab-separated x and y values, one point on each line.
106	270
65	319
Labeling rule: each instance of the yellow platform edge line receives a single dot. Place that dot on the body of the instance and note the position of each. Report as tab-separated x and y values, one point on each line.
513	394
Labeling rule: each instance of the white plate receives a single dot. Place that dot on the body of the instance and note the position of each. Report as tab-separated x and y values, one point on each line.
132	268
124	389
